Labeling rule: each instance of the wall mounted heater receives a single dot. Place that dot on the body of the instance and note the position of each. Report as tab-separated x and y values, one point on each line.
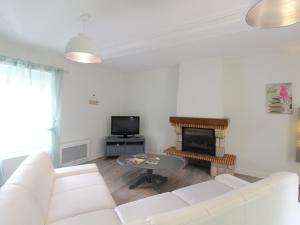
74	153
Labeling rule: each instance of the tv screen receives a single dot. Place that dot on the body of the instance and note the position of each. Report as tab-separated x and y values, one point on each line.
125	125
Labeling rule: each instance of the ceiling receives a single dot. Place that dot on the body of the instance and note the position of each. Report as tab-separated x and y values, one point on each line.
142	34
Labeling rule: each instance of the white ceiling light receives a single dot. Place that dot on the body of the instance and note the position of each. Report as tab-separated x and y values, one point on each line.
81	48
273	13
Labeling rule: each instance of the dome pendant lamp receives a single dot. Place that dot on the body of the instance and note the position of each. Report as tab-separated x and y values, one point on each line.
273	13
82	48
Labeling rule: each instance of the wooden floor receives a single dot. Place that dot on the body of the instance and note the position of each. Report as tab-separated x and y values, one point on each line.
118	178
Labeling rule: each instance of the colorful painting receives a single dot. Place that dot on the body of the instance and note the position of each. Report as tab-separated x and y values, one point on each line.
279	98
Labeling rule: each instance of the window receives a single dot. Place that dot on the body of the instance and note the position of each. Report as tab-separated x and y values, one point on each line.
29	106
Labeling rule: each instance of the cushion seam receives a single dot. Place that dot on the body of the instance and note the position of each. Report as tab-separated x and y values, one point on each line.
91	211
60	192
120	218
70	216
181	198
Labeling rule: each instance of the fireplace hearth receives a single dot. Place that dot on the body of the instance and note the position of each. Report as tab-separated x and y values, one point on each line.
199	140
203	139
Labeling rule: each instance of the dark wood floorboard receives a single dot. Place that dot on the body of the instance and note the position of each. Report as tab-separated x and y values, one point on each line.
119	177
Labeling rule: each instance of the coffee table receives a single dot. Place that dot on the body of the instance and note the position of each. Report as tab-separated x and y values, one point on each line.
164	163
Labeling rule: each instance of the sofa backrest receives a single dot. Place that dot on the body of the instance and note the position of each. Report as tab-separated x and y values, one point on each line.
34	178
18	207
272	201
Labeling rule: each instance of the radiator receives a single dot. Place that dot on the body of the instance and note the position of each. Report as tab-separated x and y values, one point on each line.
74	153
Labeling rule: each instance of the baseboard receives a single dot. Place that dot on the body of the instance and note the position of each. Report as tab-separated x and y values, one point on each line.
94	157
252	173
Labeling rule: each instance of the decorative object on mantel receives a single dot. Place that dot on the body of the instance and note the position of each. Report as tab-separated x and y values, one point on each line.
279	98
82	48
273	13
220	162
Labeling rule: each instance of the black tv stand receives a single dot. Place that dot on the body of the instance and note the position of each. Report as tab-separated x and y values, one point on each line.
120	145
126	136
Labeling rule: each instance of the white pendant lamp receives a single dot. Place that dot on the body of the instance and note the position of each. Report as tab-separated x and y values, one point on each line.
273	13
81	48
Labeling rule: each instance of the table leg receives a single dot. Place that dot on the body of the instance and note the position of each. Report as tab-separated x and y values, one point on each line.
140	180
155	186
159	177
151	178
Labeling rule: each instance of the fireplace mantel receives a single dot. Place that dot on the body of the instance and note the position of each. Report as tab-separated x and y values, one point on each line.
213	123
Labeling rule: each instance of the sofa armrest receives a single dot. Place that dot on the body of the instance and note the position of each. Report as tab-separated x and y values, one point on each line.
298	215
231	181
75	170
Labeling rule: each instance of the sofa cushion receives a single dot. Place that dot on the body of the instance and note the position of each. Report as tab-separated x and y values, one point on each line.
231	181
105	217
78	201
231	204
272	201
138	222
37	176
18	206
203	191
75	170
77	181
143	208
181	216
298	215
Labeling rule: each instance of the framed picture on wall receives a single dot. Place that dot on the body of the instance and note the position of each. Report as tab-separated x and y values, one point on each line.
279	98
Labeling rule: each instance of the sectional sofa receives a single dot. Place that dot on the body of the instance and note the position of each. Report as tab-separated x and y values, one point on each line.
37	194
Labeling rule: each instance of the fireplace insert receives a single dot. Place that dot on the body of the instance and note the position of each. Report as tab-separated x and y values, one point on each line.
198	140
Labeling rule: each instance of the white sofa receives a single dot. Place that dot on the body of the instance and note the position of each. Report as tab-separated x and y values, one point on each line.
37	194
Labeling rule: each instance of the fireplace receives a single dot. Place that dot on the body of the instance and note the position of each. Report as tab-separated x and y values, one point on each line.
210	135
203	139
199	140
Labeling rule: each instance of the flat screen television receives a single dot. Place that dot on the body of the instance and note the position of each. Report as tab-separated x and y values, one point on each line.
125	125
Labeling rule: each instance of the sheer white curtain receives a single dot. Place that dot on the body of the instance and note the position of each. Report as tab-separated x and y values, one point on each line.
29	107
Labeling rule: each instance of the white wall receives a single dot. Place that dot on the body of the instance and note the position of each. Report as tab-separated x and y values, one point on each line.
200	88
80	120
152	95
264	143
235	89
